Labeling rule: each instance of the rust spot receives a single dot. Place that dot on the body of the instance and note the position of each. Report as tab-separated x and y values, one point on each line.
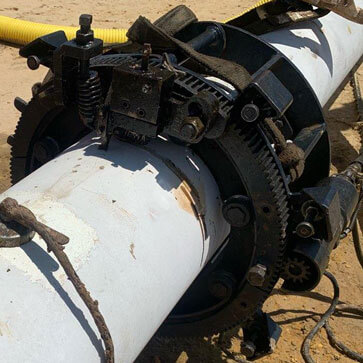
102	167
132	248
183	194
186	194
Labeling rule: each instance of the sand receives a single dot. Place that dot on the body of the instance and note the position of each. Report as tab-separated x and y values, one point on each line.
294	313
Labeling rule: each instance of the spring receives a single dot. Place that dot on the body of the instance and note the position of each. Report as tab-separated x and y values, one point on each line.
89	97
132	137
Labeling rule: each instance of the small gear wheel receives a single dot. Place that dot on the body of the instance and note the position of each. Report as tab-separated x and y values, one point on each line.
296	270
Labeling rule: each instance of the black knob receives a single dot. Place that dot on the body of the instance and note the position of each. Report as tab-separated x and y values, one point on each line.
85	21
33	62
250	112
85	34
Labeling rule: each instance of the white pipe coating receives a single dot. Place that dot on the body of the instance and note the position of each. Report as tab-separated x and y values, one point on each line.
141	228
324	50
142	222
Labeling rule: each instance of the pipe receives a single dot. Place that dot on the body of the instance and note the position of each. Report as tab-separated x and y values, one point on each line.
141	228
21	32
324	50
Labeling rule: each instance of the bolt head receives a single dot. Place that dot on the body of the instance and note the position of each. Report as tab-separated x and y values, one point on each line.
85	20
236	211
248	349
219	290
256	275
188	131
250	112
222	284
146	88
305	230
33	62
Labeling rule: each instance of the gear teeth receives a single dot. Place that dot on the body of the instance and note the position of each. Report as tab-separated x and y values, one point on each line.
267	162
20	104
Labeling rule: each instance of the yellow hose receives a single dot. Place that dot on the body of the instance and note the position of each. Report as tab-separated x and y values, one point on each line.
258	4
21	32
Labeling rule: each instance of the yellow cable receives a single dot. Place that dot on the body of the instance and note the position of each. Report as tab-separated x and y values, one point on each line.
21	32
258	4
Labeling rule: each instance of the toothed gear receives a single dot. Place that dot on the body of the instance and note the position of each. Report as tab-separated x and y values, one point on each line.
42	121
296	270
258	169
243	162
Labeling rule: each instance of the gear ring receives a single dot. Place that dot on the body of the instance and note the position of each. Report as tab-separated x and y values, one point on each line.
296	270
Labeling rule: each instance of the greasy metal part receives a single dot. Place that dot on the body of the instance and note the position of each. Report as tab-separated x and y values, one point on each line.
260	336
250	112
20	104
256	275
296	270
248	348
213	35
236	210
222	284
228	159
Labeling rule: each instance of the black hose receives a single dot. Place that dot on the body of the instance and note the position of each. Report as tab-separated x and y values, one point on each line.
341	347
323	322
356	241
305	348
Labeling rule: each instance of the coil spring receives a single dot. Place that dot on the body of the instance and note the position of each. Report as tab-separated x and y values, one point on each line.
89	97
132	137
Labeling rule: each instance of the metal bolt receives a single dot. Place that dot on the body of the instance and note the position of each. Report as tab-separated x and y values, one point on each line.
33	62
250	112
45	149
145	57
188	131
146	88
248	349
222	284
85	21
305	230
256	275
125	104
236	211
141	112
219	290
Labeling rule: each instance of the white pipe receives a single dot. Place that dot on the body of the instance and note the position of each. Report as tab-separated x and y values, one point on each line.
141	228
324	50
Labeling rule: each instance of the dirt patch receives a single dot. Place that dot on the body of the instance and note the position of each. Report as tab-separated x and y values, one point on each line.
294	313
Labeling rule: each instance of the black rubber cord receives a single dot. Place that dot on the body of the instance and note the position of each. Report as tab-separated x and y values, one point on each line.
305	348
323	322
356	241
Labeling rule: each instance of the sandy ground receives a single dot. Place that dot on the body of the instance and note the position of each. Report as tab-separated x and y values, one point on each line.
294	313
